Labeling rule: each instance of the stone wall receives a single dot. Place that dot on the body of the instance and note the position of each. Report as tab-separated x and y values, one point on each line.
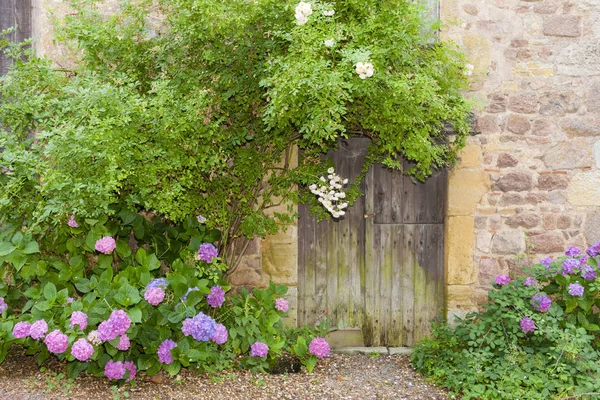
530	178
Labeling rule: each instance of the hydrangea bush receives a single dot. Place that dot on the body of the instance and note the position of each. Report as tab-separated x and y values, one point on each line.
537	338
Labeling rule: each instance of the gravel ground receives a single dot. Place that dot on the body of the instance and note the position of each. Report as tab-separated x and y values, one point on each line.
337	377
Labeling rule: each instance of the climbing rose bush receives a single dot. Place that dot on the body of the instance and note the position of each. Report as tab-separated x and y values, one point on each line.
537	338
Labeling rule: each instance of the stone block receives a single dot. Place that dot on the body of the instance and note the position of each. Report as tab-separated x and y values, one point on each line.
549	221
545	8
292	297
484	240
488	270
571	154
592	227
465	190
460	298
518	124
246	276
470	156
280	256
345	338
508	242
460	234
524	103
400	351
579	59
361	350
548	242
593	98
514	182
534	198
563	25
597	153
581	126
542	127
477	50
506	160
470	9
496	103
526	220
559	103
511	199
585	189
552	182
563	222
533	68
557	197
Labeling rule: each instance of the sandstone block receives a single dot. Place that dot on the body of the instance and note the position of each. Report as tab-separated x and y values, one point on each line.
557	197
549	242
563	222
535	198
514	182
508	242
592	227
470	156
496	103
460	297
279	257
581	126
552	182
477	50
526	220
549	221
559	103
563	25
484	240
488	270
460	234
488	124
568	155
480	222
518	124
593	98
525	103
470	9
542	128
597	153
465	190
580	60
511	199
585	189
545	8
506	160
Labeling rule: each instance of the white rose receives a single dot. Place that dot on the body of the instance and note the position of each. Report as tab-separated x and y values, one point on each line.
330	170
369	69
360	68
313	187
301	19
304	8
329	13
329	43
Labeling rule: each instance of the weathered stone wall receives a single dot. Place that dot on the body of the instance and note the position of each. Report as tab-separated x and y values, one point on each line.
530	178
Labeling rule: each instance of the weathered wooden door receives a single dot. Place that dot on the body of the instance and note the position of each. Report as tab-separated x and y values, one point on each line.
380	268
14	13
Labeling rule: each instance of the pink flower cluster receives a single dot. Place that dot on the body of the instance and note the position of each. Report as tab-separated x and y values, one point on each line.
259	349
72	223
216	298
106	245
38	329
124	343
117	370
82	350
3	305
154	296
57	342
207	252
164	351
319	347
220	336
78	318
116	325
502	280
282	305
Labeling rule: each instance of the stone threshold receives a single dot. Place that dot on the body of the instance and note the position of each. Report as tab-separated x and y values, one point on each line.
403	351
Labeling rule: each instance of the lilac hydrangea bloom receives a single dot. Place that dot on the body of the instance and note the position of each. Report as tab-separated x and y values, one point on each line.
154	296
124	343
38	329
157	283
3	305
106	332
546	262
70	300
319	347
530	281
593	250
588	273
114	370
57	342
184	297
282	305
541	302
130	366
570	266
575	289
527	325
116	325
21	330
164	351
72	223
259	349
106	245
201	327
207	252
220	336
78	318
502	280
82	350
572	251
216	297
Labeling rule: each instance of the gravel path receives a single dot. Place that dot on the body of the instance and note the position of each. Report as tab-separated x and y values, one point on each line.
337	377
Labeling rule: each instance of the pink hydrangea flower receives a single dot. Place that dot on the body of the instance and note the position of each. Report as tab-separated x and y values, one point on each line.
207	252
282	305
130	366
154	296
216	297
106	245
502	280
116	325
78	318
114	370
164	351
319	347
3	305
21	330
57	342
527	325
72	223
124	343
38	329
220	336
259	349
82	350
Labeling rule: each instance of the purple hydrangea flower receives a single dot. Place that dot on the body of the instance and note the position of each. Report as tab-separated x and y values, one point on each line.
319	347
184	297
116	325
154	296
572	251
570	266
114	370
588	273
575	289
124	343
593	250
72	223
164	351
207	252
157	283
70	300
3	305
82	350
546	262
220	336
57	342
530	281
94	338
105	331
21	330
541	302
78	318
502	280
216	297
38	329
106	245
259	349
527	325
282	305
130	366
201	327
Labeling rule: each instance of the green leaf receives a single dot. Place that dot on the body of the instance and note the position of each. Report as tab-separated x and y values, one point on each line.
31	247
49	291
83	285
123	249
300	347
17	238
74	368
127	295
135	314
6	248
196	355
310	363
140	256
173	368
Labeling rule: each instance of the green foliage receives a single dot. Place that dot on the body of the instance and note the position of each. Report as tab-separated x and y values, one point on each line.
488	356
186	107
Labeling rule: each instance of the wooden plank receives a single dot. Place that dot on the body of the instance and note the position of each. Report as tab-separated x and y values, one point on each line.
370	269
302	260
14	13
386	273
396	307
343	168
381	183
310	272
421	279
321	258
408	275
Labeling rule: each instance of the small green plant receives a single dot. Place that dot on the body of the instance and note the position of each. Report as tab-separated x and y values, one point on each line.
374	354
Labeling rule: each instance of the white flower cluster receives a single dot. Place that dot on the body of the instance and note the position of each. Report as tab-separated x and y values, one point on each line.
329	13
329	43
364	70
330	194
303	11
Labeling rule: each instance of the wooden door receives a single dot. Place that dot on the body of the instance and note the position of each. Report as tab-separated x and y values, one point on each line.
380	267
14	13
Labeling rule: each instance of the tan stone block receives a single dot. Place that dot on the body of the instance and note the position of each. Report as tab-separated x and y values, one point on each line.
465	191
280	256
533	68
460	268
584	189
477	50
460	297
470	156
